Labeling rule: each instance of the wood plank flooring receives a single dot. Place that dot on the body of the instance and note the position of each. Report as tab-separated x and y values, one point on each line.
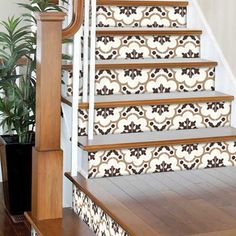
200	203
7	228
71	225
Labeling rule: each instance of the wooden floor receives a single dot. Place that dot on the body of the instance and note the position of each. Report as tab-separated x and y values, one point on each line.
196	203
200	203
71	225
7	228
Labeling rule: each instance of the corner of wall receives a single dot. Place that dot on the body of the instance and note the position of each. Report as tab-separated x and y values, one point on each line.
225	79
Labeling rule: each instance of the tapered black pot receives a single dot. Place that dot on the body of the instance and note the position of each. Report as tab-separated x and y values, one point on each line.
16	160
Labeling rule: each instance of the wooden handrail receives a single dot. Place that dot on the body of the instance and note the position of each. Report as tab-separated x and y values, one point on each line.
21	61
77	19
24	61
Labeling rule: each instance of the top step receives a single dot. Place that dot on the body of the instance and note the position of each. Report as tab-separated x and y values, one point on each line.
137	13
179	3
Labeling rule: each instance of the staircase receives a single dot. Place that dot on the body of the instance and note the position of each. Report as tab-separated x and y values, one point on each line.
155	108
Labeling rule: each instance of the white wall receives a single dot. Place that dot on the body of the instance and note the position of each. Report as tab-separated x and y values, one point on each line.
9	8
221	18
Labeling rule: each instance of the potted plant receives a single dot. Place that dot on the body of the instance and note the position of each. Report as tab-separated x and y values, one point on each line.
17	115
17	105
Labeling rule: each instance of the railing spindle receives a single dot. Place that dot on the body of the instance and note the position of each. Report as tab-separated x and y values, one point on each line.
86	51
92	70
75	102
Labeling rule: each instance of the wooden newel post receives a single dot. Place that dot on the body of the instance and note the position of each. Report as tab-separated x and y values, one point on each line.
47	154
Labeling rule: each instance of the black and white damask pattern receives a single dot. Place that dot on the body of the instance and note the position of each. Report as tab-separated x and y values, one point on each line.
139	81
140	16
146	47
161	159
97	220
33	232
136	119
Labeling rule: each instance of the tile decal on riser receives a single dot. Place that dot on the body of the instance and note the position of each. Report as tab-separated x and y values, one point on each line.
141	16
97	220
147	47
138	81
161	159
33	232
135	119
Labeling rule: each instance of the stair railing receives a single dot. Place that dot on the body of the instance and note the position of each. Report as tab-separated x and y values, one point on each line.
47	167
87	65
77	19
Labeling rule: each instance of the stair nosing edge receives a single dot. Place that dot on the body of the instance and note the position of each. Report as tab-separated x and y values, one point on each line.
118	146
143	3
115	31
156	102
98	203
142	64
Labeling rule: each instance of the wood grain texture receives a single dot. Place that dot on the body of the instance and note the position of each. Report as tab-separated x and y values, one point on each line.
143	3
115	31
24	61
77	19
231	232
47	185
148	63
153	63
69	225
195	203
153	99
47	156
55	1
7	227
21	61
114	208
156	139
48	115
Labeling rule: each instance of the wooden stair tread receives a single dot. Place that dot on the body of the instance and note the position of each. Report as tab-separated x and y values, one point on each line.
181	3
102	101
100	31
68	226
148	63
231	232
122	214
153	139
170	203
154	63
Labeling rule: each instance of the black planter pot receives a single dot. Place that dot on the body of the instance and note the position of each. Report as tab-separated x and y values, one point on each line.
16	160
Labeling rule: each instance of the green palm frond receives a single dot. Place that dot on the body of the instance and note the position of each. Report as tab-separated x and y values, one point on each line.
18	90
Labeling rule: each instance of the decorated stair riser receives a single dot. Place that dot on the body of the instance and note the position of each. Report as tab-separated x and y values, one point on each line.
134	119
139	81
110	163
147	46
160	80
97	219
141	16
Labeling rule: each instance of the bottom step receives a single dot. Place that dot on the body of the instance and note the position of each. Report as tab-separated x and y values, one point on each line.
200	202
142	153
70	225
